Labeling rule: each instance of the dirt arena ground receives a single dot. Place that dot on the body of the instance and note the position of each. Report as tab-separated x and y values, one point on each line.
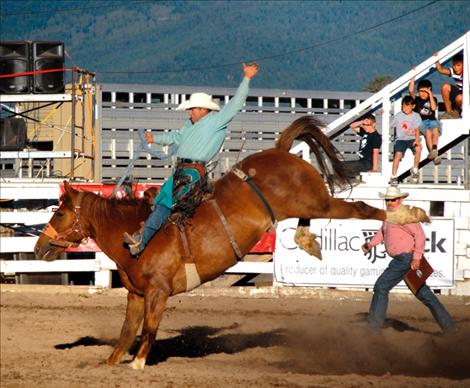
58	336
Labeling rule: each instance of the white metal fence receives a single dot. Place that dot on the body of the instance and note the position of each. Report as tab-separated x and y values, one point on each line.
101	265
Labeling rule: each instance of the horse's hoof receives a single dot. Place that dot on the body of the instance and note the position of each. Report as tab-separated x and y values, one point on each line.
420	214
114	358
138	363
307	241
406	214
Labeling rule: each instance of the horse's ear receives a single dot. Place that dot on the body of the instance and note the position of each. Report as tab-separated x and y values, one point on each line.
67	187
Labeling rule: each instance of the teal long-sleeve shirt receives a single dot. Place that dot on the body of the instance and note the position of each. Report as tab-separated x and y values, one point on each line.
203	140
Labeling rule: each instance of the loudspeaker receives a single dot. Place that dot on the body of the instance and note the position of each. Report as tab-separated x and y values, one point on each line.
14	58
12	134
48	56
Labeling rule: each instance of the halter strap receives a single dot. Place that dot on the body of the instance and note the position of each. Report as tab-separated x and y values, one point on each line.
59	238
240	174
49	231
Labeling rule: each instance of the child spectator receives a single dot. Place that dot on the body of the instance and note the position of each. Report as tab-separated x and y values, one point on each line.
407	135
452	94
369	147
426	106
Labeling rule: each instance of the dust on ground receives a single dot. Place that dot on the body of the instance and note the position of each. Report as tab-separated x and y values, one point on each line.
55	336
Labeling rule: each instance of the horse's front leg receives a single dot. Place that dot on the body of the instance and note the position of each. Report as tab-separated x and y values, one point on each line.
155	303
134	316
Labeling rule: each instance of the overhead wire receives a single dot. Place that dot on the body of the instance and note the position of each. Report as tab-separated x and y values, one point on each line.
259	59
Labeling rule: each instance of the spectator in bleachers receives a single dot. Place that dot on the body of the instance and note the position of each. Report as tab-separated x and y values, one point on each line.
369	147
426	106
452	93
407	125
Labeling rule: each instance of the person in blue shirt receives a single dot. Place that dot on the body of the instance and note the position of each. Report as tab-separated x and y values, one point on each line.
198	141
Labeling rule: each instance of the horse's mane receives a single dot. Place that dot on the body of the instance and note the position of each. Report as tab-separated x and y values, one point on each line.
111	209
309	130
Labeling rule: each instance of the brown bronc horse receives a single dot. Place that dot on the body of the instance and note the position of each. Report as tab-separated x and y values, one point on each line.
175	262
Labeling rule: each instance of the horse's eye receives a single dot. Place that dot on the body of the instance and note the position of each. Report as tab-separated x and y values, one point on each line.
59	213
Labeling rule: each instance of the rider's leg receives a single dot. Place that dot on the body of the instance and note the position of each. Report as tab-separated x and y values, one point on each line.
158	217
138	241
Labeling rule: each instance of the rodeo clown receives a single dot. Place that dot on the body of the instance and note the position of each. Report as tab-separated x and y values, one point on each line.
198	141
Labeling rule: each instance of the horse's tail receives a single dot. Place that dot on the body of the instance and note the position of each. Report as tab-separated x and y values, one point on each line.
309	130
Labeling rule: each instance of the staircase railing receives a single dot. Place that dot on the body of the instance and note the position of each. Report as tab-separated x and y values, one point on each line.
388	100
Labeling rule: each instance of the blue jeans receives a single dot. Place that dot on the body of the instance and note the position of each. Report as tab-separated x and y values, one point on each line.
429	124
393	274
158	217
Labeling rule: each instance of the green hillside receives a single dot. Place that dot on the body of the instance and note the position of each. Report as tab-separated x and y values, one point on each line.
156	41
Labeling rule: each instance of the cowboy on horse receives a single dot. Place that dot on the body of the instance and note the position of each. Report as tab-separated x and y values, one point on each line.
177	262
198	141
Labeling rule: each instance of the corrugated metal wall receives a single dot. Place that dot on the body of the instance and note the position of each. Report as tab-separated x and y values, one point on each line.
125	108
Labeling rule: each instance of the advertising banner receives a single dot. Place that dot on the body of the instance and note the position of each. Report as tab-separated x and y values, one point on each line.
344	264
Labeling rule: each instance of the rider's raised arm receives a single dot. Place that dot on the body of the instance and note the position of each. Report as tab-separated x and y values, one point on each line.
228	112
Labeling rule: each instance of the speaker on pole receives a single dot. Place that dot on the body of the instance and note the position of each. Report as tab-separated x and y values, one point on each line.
48	56
12	134
14	58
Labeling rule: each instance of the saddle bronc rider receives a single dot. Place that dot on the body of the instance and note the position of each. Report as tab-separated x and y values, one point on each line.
198	141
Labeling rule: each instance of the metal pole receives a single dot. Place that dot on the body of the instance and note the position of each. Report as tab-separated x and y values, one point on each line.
93	107
84	96
72	141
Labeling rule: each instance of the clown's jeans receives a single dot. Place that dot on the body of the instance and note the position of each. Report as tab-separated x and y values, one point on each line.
393	274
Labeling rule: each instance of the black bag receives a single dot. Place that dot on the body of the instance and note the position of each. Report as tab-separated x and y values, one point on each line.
12	134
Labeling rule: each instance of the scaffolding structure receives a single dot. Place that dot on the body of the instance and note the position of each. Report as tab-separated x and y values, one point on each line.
54	155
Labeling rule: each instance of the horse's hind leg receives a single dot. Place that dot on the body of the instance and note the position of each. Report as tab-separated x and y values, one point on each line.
333	208
155	303
340	209
134	316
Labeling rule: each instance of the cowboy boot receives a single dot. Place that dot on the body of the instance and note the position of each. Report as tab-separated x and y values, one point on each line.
134	241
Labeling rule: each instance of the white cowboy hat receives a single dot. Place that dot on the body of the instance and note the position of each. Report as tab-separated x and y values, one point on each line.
199	100
392	193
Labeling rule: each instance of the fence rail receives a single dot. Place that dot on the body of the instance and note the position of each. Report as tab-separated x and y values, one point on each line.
101	265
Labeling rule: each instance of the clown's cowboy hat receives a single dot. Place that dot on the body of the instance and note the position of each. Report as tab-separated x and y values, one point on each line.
393	192
199	100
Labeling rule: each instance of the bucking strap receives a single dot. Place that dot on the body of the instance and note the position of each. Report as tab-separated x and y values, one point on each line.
192	276
239	173
228	229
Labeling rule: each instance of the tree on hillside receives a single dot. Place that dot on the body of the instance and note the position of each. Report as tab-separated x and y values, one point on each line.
377	83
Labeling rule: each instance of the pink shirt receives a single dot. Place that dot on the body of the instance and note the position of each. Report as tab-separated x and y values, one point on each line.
401	239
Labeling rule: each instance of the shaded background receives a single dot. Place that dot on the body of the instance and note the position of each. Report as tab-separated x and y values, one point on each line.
331	45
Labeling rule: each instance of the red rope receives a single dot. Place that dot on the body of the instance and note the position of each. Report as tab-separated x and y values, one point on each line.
33	72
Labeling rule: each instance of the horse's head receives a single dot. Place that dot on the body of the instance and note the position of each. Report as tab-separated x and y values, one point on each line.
65	228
